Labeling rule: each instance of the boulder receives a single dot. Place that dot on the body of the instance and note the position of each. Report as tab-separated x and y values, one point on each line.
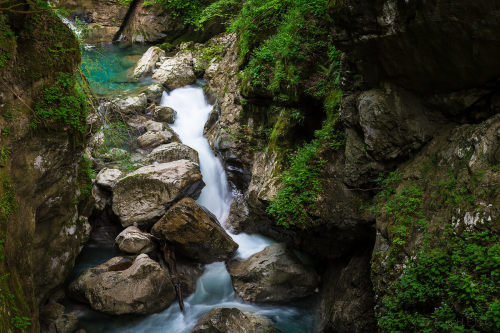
107	178
54	320
148	61
133	240
101	198
125	286
195	233
164	114
152	139
128	104
144	195
172	152
272	275
177	71
154	93
232	320
154	126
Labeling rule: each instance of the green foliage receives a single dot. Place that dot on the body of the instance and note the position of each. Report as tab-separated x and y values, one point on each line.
85	176
223	10
7	42
452	286
302	182
64	102
188	10
8	204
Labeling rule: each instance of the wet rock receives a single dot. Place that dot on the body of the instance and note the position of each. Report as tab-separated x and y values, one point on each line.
148	61
133	240
232	320
172	152
107	178
125	286
152	139
154	93
164	114
177	71
144	195
195	233
188	272
272	275
54	320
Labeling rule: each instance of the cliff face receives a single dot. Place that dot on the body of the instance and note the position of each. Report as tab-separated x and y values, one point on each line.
41	230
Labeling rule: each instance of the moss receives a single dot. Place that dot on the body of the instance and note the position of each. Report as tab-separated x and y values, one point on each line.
7	43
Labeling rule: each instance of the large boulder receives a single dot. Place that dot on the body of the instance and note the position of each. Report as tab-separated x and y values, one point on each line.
133	240
128	105
143	196
125	286
154	93
107	178
152	139
232	320
148	61
177	71
163	114
272	275
195	233
172	152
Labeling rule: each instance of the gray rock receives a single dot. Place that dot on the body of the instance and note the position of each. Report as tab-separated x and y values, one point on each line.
164	114
147	63
54	320
195	233
107	178
133	240
172	152
154	126
129	104
152	139
177	71
144	195
125	286
272	275
154	93
232	320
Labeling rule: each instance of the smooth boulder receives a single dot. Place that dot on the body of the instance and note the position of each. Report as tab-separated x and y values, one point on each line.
107	178
164	114
143	196
152	139
128	104
195	233
125	286
133	240
232	320
172	152
177	71
273	275
148	61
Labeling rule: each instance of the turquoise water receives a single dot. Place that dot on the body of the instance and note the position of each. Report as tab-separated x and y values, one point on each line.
108	67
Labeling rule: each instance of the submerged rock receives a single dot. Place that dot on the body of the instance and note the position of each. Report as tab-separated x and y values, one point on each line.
232	320
125	286
133	240
195	233
143	195
152	139
148	61
172	152
272	275
107	178
177	71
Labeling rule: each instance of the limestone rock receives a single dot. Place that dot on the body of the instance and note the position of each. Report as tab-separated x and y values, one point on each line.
172	152
195	233
152	139
272	275
107	178
125	286
154	93
232	320
164	114
133	240
154	126
129	104
177	71
147	63
144	195
101	198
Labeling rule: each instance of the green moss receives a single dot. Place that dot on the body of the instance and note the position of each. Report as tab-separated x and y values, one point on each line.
7	43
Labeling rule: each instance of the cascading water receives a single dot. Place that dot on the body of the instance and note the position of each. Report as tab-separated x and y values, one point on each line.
214	288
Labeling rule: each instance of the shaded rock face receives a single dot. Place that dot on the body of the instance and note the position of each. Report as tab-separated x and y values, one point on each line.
347	298
232	320
177	71
172	152
133	240
273	275
148	61
125	286
150	23
144	195
195	233
54	320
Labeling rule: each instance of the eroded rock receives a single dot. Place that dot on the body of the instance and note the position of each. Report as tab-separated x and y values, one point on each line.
133	240
177	71
152	139
107	178
148	61
172	152
195	232
232	320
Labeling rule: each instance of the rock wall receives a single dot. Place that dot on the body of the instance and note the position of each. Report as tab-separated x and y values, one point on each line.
41	229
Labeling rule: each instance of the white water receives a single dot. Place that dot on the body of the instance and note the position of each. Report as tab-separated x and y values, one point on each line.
214	288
